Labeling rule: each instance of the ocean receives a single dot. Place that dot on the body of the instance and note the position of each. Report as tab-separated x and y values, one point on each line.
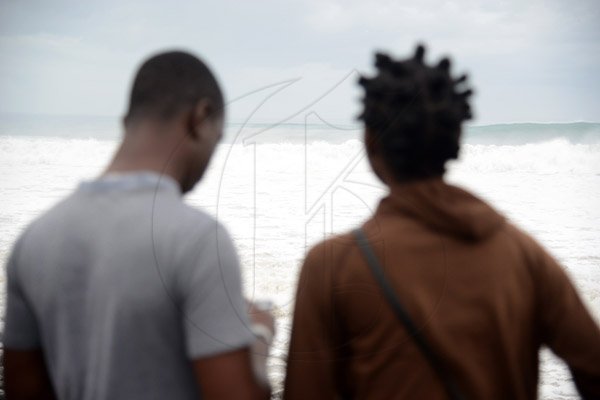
280	187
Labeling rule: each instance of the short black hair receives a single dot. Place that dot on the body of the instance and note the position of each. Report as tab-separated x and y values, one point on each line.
414	114
169	82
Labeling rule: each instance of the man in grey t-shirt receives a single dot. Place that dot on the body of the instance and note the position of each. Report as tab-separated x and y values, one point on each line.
121	291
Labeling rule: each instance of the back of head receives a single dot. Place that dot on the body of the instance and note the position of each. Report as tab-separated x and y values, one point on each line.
170	82
413	113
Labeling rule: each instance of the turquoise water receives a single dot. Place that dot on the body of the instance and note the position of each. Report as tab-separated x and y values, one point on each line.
109	128
523	133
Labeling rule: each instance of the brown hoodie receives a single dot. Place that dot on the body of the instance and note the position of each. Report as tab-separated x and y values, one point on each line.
485	295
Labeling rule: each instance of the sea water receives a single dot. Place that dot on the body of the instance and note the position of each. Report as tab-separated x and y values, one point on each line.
280	188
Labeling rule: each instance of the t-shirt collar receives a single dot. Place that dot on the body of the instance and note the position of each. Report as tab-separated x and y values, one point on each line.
127	181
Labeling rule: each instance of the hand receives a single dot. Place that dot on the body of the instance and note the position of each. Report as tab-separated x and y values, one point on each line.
262	319
263	325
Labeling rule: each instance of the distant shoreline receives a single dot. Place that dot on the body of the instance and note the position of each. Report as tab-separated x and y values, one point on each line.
272	121
110	128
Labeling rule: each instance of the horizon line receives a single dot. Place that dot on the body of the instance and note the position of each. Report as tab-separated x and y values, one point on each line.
240	121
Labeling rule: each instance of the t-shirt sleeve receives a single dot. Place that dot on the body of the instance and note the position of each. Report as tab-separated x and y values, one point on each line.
215	318
567	326
20	325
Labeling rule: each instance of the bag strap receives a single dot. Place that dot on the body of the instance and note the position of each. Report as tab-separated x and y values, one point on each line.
432	357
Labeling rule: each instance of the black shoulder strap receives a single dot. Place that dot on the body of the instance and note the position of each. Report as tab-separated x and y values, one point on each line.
434	360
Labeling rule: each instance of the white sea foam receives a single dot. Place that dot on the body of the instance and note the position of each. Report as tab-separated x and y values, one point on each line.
278	197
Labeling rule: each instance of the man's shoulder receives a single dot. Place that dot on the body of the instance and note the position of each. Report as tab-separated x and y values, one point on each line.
331	250
189	215
525	242
170	219
50	219
335	241
189	219
190	229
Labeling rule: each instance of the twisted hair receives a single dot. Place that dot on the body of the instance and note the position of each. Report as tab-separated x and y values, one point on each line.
414	113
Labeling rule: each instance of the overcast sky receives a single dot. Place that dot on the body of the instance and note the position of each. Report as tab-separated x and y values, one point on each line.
528	60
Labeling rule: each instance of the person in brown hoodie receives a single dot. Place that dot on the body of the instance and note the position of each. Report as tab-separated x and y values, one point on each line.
484	295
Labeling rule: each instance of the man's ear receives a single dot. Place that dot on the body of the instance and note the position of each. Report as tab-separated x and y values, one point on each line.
197	118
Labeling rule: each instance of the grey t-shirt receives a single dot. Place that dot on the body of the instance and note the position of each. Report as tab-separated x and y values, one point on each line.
121	284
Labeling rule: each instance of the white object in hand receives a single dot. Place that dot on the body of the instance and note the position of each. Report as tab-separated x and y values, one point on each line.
263	305
262	332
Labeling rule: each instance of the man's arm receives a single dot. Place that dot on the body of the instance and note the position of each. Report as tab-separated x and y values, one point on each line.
311	364
25	372
229	376
566	325
217	329
26	376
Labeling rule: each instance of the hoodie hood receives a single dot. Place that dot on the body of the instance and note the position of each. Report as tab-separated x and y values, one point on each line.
445	208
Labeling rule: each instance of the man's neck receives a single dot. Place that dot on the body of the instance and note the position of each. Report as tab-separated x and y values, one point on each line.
147	151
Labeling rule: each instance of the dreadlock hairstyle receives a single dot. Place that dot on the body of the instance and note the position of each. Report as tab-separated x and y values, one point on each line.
414	113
